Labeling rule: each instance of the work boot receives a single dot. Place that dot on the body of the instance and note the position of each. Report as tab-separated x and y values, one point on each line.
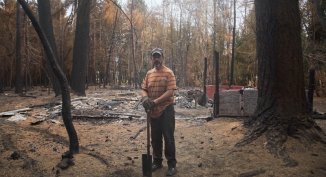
171	171
156	166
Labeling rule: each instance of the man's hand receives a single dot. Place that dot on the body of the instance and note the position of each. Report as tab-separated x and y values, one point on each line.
148	103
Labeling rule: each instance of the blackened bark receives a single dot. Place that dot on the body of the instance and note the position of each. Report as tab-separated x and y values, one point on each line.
205	75
311	89
319	11
1	87
233	44
66	111
45	19
202	101
81	48
111	47
280	60
18	77
281	109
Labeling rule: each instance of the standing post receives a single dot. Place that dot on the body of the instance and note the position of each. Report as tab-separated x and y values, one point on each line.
205	74
214	36
217	93
202	101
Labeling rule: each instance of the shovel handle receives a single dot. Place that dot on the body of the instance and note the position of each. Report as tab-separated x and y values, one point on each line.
148	133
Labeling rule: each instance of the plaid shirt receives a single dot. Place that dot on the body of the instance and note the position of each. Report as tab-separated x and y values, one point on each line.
156	83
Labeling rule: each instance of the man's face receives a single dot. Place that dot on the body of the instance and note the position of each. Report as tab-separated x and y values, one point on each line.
157	60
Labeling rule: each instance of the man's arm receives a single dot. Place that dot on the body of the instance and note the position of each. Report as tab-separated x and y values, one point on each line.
166	95
143	93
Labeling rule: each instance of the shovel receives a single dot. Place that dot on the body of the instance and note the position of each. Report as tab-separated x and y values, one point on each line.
147	158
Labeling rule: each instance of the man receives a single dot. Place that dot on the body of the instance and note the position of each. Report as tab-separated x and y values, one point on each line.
157	97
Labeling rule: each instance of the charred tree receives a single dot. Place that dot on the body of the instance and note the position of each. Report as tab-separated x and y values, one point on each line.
110	50
321	17
216	105
202	101
1	87
44	10
281	108
18	65
311	89
81	48
233	44
66	109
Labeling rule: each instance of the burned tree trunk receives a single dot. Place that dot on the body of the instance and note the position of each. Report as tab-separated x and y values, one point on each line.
202	101
1	87
216	106
18	78
311	89
281	110
66	111
81	48
44	9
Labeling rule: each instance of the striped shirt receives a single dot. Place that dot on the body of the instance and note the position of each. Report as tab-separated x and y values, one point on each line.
156	83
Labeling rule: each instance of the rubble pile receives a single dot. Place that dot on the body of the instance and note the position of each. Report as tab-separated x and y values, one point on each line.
117	107
127	105
188	98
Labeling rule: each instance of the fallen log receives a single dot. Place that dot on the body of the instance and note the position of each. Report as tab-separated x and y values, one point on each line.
46	105
13	112
319	116
93	117
107	116
123	114
124	99
127	94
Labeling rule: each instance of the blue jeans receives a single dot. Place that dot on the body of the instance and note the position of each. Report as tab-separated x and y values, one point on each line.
163	127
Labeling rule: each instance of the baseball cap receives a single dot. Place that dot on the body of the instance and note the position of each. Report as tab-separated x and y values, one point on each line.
157	51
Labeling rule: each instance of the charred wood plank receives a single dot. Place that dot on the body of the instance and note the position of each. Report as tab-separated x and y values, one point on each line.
94	117
319	116
252	173
45	105
13	112
117	114
107	116
125	99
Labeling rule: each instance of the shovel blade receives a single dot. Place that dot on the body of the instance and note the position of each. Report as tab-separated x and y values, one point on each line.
147	165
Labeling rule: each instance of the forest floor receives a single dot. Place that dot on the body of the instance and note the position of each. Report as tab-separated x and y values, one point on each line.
107	123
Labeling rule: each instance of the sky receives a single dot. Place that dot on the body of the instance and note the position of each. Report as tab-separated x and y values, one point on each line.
149	3
156	3
153	3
